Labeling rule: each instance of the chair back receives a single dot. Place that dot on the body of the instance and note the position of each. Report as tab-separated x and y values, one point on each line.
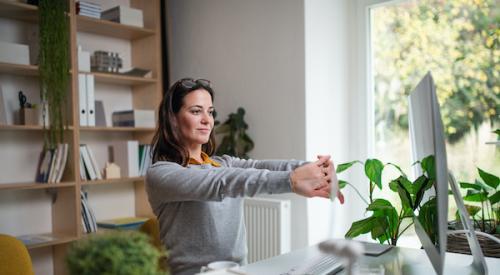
14	257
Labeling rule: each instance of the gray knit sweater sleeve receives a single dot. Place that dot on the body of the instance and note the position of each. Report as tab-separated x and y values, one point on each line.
274	165
171	182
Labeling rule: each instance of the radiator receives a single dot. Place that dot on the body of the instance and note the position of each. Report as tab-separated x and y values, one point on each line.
268	228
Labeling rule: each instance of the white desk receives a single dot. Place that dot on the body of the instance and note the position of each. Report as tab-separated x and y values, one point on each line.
398	260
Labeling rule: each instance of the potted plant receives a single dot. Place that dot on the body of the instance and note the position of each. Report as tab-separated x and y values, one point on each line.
387	223
482	203
54	64
120	252
235	140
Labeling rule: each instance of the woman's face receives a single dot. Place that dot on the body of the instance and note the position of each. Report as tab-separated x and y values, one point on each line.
195	118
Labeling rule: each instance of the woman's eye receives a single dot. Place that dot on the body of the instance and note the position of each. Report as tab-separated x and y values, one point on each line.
211	113
195	112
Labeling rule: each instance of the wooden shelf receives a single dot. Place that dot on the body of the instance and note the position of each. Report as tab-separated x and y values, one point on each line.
18	69
26	127
112	181
52	239
117	129
108	28
18	11
35	185
121	79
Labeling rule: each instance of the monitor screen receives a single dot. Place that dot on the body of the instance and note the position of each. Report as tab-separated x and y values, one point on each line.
428	146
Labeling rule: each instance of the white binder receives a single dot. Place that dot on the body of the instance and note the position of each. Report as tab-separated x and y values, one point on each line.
82	99
90	100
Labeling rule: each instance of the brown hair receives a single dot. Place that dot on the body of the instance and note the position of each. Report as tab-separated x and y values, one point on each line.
166	144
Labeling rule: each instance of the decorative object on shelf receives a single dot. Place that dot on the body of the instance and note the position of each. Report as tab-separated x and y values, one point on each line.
97	254
386	222
134	118
3	109
54	67
111	171
482	197
124	15
235	140
126	223
83	60
14	53
107	62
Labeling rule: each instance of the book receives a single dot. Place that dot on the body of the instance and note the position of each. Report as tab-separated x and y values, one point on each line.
43	170
33	239
94	162
138	72
100	117
123	223
89	167
126	156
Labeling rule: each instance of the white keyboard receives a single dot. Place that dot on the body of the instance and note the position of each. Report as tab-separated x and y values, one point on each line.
321	264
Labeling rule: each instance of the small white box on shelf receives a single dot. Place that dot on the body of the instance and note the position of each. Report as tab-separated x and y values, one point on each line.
83	60
124	15
14	53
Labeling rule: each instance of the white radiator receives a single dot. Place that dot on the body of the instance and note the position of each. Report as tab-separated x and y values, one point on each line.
268	228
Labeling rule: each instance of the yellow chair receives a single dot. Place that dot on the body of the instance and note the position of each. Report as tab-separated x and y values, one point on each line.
152	229
14	257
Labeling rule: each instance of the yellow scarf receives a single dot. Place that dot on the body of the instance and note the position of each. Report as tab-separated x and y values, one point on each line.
205	160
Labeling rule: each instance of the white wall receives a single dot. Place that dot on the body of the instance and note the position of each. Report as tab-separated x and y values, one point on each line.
295	67
253	52
329	37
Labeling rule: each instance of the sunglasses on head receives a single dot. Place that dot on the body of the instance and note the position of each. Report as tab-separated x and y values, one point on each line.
189	83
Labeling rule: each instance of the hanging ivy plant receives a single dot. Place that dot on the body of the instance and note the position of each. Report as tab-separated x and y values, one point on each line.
54	63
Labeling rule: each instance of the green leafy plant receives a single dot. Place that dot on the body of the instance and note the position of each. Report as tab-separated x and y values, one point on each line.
386	222
235	140
54	66
126	253
482	198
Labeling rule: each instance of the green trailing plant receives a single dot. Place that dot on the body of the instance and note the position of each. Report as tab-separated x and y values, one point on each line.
387	223
235	140
54	65
121	252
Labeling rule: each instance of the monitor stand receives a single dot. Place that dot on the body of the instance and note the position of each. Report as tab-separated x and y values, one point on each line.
478	262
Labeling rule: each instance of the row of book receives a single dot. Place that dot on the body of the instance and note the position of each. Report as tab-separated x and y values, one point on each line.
89	169
88	218
51	164
133	158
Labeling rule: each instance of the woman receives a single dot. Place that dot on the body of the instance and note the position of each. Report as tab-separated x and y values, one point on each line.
198	199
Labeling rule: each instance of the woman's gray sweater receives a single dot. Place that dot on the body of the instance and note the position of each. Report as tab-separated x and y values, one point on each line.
200	207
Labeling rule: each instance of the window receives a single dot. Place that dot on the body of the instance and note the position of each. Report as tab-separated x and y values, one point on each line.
458	41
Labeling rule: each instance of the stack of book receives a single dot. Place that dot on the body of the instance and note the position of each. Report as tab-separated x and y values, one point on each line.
89	170
134	118
88	217
51	164
88	9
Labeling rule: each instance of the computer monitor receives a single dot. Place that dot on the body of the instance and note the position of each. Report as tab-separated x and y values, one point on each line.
427	139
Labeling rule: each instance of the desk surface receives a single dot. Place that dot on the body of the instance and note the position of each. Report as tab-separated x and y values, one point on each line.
398	260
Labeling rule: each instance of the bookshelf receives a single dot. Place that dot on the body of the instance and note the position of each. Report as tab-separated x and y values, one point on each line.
53	210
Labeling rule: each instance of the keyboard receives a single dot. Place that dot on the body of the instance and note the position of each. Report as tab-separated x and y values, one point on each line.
319	265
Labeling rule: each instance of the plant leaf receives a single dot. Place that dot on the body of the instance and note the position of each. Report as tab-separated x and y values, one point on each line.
361	227
383	208
421	185
489	179
428	165
373	170
344	166
472	210
475	196
342	183
494	198
467	185
379	228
